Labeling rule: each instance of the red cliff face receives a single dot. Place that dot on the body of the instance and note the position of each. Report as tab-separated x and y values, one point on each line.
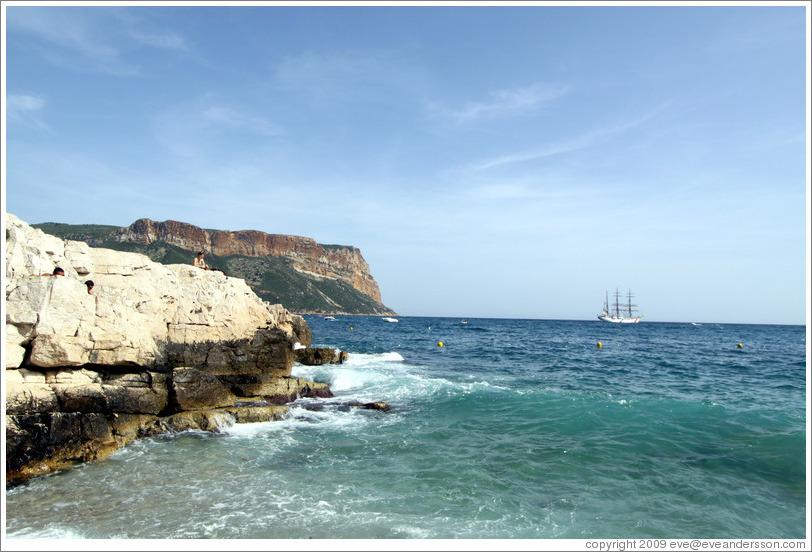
177	233
340	262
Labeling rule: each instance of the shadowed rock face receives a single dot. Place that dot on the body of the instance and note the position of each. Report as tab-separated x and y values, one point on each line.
316	357
155	349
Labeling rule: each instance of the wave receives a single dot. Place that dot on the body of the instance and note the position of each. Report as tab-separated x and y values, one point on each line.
390	378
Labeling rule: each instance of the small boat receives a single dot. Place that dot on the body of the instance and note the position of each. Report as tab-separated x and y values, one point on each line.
464	321
389	319
621	313
329	318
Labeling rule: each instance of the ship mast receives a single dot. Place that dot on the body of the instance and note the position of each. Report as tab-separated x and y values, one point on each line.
629	297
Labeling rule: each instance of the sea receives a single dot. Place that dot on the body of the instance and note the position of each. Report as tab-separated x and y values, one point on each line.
497	429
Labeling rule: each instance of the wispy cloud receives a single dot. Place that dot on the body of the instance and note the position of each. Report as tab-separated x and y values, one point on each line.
89	39
167	40
240	120
194	128
26	110
349	76
506	102
576	143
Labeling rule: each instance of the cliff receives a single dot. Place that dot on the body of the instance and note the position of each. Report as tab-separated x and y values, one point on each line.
337	262
155	348
297	272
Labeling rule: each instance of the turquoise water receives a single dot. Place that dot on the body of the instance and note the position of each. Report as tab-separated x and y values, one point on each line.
512	429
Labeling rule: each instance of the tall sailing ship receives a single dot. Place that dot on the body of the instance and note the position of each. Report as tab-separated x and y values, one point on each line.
620	313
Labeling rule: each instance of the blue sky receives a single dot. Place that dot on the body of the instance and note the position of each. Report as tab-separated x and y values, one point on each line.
489	161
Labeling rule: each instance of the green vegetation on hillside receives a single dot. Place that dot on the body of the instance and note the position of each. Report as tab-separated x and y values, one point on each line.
89	233
273	277
275	280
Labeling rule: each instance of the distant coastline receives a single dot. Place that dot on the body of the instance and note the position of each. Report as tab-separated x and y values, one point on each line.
294	271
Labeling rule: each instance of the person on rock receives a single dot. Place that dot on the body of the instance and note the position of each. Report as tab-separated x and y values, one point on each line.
199	262
89	285
57	272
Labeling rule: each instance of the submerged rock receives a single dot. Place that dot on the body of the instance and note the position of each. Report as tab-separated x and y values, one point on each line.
370	405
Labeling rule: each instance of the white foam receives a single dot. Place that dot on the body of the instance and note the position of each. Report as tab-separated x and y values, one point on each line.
364	359
358	372
46	533
251	430
475	386
384	377
350	419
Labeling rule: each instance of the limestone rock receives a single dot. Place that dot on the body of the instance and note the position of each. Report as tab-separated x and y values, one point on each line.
70	377
317	390
39	443
15	355
141	393
87	397
196	390
28	397
254	385
268	351
139	309
256	414
205	420
128	427
318	356
276	391
155	349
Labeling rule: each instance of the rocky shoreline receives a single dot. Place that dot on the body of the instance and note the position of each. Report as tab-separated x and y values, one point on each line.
153	349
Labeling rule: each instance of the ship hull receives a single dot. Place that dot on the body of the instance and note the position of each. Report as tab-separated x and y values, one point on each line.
617	320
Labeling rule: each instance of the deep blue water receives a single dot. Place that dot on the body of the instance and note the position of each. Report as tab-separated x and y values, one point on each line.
512	429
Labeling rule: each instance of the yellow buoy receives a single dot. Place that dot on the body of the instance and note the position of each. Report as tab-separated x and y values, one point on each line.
350	328
740	346
600	344
440	344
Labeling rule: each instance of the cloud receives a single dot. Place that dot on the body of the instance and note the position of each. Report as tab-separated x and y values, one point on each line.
26	110
196	128
234	119
580	142
89	39
166	40
349	76
506	102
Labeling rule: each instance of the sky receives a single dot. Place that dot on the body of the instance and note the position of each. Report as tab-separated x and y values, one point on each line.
488	161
